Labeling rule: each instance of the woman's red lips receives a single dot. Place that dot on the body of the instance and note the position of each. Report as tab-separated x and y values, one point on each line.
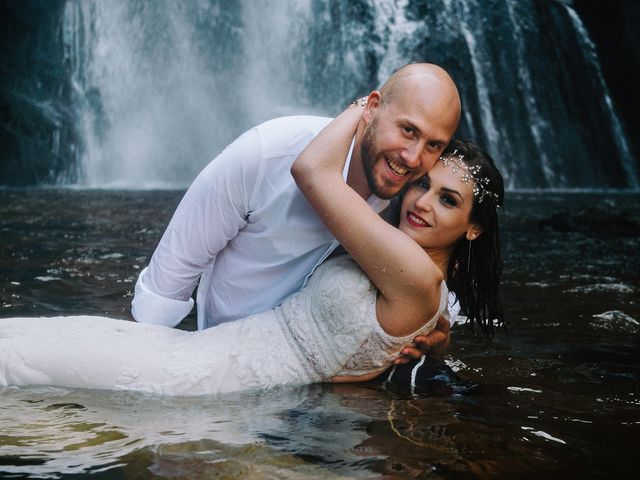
415	220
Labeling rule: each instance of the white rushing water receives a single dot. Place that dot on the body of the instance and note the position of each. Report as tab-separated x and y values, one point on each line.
482	76
154	103
539	126
160	87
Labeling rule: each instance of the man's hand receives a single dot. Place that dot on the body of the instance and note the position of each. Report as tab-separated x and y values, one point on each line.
436	341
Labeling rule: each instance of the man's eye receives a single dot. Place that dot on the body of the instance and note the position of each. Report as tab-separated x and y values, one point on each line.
408	130
433	146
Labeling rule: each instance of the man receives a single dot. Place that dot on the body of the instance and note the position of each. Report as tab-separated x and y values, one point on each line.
246	233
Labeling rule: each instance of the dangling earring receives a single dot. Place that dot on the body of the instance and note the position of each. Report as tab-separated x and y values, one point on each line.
469	257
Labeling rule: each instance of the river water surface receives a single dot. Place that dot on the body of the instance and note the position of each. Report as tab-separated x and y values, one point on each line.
558	397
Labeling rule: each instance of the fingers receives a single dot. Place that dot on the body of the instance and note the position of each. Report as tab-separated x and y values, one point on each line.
443	325
434	339
410	352
437	340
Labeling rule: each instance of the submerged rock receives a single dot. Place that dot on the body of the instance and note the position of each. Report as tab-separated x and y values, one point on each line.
593	219
616	321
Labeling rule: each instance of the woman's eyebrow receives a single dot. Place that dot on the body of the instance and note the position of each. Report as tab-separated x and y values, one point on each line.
455	192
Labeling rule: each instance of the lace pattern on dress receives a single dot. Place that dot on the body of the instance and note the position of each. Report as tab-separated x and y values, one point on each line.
380	349
332	325
329	319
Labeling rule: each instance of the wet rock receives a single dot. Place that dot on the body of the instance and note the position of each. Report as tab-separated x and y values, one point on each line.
37	130
593	219
616	321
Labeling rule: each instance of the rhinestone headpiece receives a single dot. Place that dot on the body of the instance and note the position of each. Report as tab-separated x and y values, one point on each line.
481	190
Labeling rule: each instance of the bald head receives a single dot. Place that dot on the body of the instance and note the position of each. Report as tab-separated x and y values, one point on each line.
423	80
405	126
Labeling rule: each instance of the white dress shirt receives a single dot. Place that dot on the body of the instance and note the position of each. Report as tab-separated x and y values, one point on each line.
243	229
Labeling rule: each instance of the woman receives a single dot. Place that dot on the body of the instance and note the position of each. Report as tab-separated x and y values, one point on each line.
345	325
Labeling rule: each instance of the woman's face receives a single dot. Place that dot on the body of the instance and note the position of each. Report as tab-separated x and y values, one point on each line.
436	208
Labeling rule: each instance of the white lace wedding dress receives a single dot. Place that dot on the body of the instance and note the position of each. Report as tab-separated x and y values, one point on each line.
327	329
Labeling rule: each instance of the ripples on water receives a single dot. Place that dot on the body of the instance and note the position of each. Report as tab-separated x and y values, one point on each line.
558	397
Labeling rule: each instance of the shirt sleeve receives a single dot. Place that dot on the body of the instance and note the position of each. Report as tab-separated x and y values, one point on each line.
212	212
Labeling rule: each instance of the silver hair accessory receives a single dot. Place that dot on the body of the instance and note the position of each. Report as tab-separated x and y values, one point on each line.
455	160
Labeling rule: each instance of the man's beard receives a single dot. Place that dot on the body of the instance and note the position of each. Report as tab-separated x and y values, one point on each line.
368	157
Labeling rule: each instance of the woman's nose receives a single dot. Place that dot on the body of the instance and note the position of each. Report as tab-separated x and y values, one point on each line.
424	201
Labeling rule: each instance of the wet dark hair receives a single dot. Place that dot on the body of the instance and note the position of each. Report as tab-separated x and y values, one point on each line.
475	266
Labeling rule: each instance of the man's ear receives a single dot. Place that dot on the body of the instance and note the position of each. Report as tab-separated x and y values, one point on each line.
373	103
473	232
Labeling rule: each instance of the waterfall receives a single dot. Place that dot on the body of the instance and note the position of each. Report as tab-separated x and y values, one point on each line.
589	52
393	27
269	80
539	126
161	86
152	90
482	82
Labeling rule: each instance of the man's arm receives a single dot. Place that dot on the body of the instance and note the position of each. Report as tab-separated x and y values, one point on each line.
212	212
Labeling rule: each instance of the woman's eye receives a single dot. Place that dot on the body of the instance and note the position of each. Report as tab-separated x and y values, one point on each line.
448	201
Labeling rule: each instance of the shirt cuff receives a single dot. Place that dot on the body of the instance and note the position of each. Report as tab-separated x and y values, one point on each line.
454	308
149	307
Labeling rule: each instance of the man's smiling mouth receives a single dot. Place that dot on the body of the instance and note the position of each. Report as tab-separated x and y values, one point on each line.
395	168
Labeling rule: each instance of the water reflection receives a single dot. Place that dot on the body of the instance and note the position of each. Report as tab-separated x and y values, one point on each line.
310	432
558	398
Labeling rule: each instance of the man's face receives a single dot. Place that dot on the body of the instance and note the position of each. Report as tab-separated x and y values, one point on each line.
403	142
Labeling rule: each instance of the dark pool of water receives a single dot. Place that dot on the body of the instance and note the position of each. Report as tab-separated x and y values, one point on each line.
558	397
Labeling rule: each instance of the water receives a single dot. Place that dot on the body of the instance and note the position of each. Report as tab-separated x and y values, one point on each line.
558	397
144	93
160	86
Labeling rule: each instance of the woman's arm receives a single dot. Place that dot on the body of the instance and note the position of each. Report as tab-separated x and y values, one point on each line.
408	281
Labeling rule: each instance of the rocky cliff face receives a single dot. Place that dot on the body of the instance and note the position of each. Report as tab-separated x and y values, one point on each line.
615	30
37	136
